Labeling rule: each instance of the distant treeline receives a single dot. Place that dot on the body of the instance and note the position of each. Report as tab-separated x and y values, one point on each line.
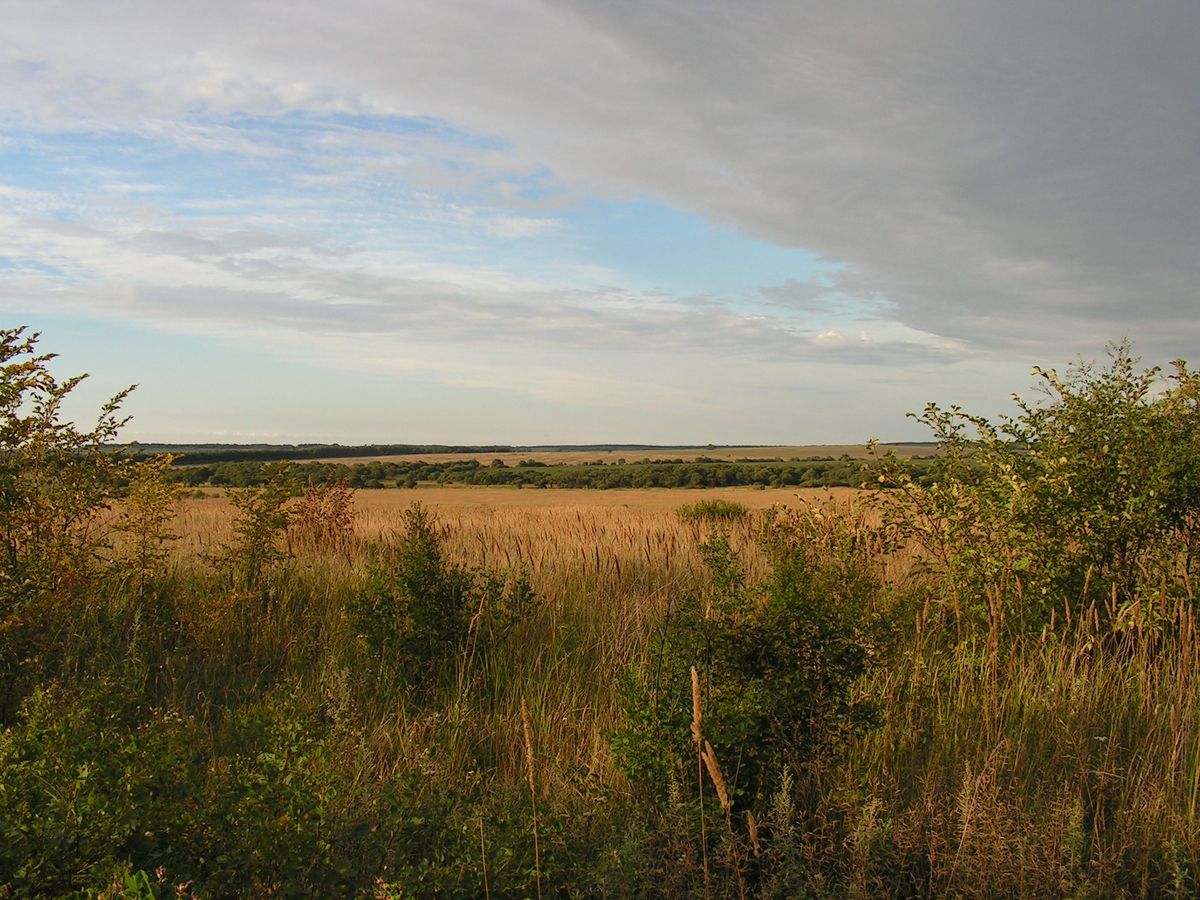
195	454
220	453
702	473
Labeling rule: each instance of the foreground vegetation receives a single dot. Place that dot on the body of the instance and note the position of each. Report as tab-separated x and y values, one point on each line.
982	685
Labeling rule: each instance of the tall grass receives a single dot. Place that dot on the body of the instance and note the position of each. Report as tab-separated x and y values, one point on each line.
1070	759
1064	765
1066	762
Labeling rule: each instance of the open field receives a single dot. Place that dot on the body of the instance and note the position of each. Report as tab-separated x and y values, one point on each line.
547	531
555	515
450	499
980	683
455	497
610	568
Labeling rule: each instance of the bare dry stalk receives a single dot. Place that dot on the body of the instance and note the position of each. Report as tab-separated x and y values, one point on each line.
709	756
714	772
752	827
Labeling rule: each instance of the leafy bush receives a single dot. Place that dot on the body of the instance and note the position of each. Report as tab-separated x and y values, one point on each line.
756	681
89	778
97	785
1078	504
54	481
419	610
259	527
713	510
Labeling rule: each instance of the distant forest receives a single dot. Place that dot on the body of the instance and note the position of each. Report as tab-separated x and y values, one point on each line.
699	473
194	454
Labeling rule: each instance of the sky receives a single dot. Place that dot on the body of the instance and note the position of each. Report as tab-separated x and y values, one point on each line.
571	222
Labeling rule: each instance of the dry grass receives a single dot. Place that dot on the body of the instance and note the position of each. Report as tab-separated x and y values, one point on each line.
1042	772
452	497
604	564
621	552
561	530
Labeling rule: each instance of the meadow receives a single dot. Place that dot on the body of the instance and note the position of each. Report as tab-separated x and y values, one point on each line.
981	685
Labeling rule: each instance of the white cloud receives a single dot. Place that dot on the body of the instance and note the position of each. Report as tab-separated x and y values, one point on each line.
1013	176
1005	181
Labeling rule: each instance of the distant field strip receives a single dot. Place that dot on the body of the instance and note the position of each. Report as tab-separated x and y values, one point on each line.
661	454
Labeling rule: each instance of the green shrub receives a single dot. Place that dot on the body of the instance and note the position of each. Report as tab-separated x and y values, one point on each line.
713	511
98	787
416	609
775	663
90	779
1079	504
55	479
419	611
259	528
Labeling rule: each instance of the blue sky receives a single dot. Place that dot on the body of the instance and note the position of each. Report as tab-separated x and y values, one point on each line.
532	223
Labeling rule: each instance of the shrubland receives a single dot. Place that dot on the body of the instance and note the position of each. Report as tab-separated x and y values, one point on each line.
975	681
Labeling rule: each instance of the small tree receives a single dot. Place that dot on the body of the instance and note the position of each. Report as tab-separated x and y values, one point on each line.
55	479
1087	500
259	527
147	510
760	673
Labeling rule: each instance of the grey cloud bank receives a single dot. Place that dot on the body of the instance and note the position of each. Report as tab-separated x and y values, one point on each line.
999	180
1002	173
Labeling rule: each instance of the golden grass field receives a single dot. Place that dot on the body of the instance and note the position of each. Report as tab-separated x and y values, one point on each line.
452	498
608	561
555	533
984	766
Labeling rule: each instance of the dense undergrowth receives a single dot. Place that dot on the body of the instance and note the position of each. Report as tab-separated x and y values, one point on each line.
984	685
